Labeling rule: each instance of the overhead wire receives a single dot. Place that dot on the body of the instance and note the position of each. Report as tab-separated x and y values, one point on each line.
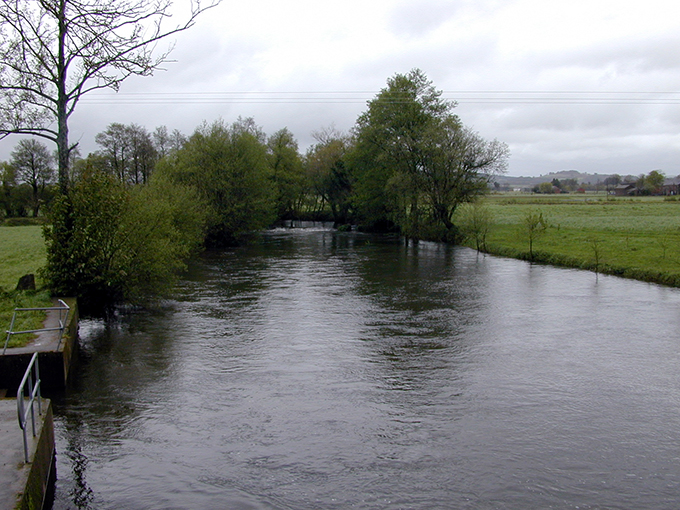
509	97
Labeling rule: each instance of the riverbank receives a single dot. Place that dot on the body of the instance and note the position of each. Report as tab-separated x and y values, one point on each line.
635	238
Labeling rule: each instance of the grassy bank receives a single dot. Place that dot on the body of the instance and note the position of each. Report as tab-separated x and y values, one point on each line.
22	251
635	238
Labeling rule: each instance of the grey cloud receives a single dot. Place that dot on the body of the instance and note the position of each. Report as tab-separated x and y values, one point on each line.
629	55
417	18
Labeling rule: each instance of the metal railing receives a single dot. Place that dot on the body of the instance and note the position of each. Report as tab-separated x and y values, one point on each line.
24	408
64	310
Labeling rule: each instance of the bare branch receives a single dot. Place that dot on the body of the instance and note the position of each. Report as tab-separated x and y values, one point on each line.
52	52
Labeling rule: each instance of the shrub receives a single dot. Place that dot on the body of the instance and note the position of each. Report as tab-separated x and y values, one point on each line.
109	243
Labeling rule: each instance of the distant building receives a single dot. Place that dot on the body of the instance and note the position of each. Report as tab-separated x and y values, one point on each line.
624	190
671	186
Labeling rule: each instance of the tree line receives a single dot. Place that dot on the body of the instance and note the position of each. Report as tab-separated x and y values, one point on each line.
125	219
138	207
649	184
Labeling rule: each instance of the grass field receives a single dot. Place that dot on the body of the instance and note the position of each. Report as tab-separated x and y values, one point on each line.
22	251
636	238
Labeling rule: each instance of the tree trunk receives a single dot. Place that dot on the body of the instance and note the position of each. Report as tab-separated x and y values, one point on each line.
62	116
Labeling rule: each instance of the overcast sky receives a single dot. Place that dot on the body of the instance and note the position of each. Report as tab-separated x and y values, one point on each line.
589	85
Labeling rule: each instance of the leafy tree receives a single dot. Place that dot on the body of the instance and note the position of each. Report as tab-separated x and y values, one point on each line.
287	173
53	52
653	181
457	166
545	188
33	164
177	140
613	180
115	150
228	167
161	141
20	199
327	172
8	181
143	155
415	162
388	148
166	143
128	244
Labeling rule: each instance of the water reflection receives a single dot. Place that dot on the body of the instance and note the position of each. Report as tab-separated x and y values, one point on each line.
318	369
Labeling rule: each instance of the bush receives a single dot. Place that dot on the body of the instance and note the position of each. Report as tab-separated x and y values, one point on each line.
108	243
22	222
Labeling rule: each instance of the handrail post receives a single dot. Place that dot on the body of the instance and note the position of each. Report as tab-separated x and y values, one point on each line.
62	321
34	390
9	331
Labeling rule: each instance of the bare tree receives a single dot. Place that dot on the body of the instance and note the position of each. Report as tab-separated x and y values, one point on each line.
128	152
33	164
161	141
53	52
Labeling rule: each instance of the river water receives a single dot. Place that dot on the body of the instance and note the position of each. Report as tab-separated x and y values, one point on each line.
320	370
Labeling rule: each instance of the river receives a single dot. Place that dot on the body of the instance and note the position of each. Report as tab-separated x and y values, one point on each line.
315	369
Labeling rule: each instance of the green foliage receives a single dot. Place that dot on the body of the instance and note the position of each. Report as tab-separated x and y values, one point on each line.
534	227
475	221
414	162
109	243
545	188
653	181
228	168
127	152
287	173
327	172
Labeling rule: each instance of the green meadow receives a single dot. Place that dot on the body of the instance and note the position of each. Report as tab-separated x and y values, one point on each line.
22	251
631	237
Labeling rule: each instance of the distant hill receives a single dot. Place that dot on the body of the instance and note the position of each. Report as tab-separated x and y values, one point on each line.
530	182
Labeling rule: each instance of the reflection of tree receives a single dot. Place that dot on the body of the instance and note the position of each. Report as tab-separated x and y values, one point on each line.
79	493
424	303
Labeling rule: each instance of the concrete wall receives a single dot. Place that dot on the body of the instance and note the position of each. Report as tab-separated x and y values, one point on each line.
42	470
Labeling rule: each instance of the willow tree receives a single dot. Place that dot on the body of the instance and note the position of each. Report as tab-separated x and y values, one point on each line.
53	52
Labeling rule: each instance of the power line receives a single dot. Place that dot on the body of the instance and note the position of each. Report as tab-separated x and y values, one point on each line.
361	97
